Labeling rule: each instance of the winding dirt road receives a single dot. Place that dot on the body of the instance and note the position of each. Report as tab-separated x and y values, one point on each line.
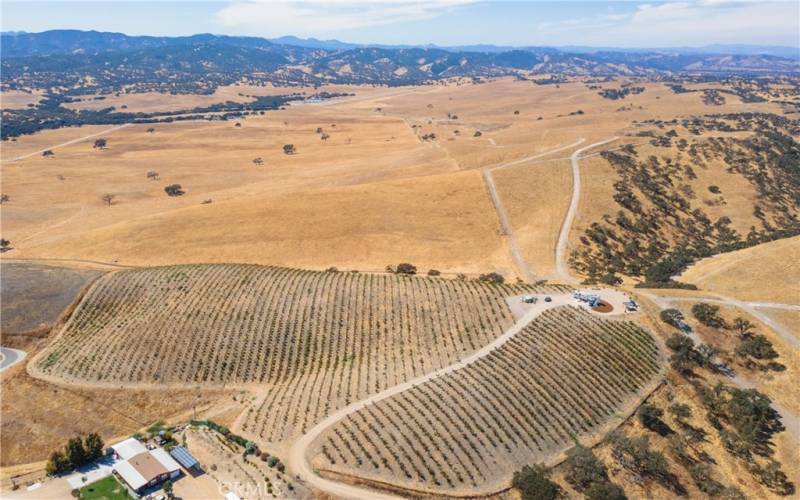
298	461
563	235
505	224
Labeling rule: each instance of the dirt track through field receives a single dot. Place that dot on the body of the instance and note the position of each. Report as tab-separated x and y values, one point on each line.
298	461
563	236
73	141
505	224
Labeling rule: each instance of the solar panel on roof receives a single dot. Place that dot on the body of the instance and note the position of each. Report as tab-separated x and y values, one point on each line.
183	457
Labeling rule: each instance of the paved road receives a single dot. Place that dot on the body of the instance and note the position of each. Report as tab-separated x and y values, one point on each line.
563	235
9	357
505	224
298	461
73	141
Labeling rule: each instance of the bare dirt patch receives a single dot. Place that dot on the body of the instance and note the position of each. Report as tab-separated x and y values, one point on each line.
33	296
603	307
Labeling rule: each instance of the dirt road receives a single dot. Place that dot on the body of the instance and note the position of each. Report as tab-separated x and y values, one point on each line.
752	309
298	461
505	224
790	420
73	141
563	235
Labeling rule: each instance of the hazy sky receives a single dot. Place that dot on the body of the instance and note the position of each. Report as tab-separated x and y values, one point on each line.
443	22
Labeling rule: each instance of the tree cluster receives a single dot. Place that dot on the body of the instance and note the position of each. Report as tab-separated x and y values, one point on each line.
77	452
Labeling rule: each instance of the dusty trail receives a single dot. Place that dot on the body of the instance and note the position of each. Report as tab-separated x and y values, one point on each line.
752	308
563	235
505	224
298	461
73	141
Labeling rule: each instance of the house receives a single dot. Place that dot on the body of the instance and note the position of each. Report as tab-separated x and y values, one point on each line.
128	449
141	468
631	306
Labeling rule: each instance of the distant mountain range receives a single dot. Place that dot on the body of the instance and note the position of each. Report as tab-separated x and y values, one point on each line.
21	44
99	61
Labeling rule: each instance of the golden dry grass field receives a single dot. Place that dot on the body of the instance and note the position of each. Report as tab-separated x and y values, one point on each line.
765	273
372	194
15	99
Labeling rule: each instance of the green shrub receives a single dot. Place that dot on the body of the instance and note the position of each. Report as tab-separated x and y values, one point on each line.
584	468
533	483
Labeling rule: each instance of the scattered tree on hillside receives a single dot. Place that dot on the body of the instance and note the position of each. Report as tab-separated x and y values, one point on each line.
258	161
477	133
684	357
533	483
108	199
151	130
403	268
743	327
756	346
4	198
434	272
152	175
289	149
650	417
48	153
681	412
708	315
495	278
671	317
605	491
324	137
636	455
5	245
584	469
100	143
174	190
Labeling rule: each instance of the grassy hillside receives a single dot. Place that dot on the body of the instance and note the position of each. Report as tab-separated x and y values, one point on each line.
563	376
690	189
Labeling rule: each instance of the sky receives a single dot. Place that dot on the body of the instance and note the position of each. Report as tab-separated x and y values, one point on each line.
441	22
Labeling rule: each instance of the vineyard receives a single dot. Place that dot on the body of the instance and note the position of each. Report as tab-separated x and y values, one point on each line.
566	375
319	339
